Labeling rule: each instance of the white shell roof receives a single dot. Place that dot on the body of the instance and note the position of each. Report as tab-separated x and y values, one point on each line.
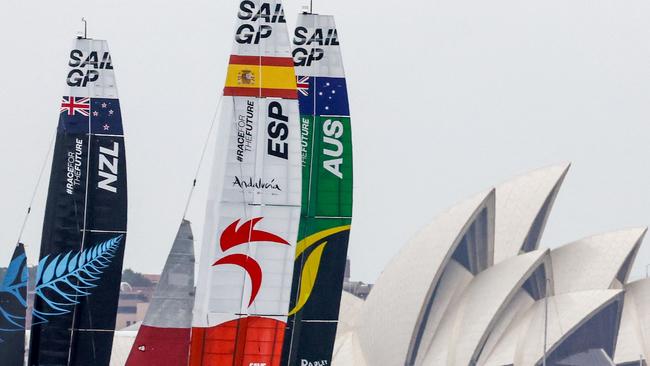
566	313
519	202
348	313
487	312
483	301
347	351
593	263
397	302
634	334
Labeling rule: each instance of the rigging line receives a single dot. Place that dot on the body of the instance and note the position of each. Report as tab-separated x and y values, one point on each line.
202	158
38	183
247	213
71	341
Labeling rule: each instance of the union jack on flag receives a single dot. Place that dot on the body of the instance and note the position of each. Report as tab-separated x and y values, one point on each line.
74	105
303	85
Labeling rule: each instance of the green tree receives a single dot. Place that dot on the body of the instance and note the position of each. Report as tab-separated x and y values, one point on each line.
135	279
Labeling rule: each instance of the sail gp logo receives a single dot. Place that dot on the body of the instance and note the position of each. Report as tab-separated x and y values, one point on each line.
234	236
86	67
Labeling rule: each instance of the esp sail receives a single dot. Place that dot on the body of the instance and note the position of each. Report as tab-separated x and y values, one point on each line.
13	309
253	209
84	229
326	192
164	336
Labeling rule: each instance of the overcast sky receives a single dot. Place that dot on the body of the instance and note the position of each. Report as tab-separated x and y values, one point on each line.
448	98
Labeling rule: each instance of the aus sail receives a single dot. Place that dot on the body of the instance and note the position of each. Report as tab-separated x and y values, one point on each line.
13	309
164	336
84	228
253	210
326	146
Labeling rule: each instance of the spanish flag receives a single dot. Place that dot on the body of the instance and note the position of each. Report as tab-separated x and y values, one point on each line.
262	77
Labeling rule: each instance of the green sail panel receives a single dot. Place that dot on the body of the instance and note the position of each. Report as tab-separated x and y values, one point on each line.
326	215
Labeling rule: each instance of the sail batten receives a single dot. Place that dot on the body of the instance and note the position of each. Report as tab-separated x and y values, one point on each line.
84	229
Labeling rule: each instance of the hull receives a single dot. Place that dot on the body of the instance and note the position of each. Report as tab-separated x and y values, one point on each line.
164	336
84	230
327	193
253	206
13	308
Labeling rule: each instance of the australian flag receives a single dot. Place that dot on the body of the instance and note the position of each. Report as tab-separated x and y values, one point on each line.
101	115
323	96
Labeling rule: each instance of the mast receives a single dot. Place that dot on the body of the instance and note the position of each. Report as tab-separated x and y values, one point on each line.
253	209
326	213
84	229
164	336
13	309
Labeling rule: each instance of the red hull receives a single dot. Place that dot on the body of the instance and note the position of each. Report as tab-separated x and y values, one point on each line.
160	346
242	342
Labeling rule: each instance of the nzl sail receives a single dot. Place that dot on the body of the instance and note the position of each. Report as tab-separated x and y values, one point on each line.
164	336
13	308
84	230
253	211
326	193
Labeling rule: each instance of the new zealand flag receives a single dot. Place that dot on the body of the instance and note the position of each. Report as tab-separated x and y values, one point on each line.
322	96
102	115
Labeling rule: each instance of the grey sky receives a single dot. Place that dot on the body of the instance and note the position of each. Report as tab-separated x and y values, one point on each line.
448	98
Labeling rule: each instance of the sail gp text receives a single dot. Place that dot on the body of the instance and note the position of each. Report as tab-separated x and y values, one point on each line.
308	44
85	68
248	33
73	174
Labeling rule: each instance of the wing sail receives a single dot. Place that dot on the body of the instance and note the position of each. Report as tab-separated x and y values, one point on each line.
326	193
164	336
84	230
253	209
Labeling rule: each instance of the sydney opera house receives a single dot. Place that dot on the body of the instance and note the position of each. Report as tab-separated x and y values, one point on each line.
474	288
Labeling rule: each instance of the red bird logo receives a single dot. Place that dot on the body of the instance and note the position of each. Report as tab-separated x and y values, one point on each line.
233	236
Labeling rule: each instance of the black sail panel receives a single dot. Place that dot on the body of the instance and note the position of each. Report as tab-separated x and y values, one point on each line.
13	307
84	230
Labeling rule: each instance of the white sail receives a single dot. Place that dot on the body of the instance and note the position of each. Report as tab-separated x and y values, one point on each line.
253	209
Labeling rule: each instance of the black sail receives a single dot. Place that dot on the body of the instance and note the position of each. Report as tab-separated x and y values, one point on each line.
84	230
13	308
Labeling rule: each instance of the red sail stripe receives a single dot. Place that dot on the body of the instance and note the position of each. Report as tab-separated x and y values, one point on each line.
160	346
263	61
260	93
239	342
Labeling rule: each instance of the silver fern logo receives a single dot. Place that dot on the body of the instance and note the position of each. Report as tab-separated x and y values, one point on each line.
63	280
12	295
